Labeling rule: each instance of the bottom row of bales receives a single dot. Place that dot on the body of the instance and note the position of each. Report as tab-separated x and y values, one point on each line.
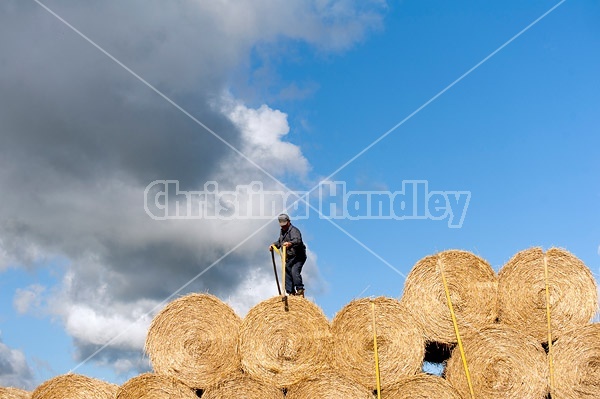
158	386
522	336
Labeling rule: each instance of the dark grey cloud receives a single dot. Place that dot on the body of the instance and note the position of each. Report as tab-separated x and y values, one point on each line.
67	109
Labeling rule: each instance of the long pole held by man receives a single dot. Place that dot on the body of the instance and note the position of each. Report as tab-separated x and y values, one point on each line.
290	240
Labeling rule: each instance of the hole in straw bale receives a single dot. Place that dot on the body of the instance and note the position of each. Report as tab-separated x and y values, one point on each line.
546	346
199	392
437	352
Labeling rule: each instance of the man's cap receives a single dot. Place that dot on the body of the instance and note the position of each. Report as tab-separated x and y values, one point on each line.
283	219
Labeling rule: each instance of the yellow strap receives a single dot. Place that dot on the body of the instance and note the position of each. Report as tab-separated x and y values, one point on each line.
550	360
376	353
460	345
276	249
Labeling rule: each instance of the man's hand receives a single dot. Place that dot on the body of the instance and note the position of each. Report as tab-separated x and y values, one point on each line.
287	244
271	248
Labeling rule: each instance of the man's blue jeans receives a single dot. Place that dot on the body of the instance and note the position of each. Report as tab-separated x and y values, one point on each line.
293	278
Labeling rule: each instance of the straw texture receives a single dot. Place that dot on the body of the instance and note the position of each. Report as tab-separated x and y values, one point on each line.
503	364
472	284
75	386
242	386
155	386
400	342
280	347
422	386
328	385
577	363
194	339
14	393
522	292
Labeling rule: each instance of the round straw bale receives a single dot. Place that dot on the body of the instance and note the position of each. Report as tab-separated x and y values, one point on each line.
155	386
576	357
242	386
14	393
472	284
503	363
74	386
328	385
419	387
400	342
194	339
280	347
522	292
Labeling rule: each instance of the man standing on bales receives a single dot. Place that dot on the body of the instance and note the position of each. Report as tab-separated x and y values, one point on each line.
290	238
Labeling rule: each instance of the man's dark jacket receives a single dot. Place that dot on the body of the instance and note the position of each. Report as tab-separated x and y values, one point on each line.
293	235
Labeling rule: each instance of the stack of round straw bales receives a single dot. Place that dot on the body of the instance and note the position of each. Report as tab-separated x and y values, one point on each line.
14	393
494	324
194	339
74	386
503	321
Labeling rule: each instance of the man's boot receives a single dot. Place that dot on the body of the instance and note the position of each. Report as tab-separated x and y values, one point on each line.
300	293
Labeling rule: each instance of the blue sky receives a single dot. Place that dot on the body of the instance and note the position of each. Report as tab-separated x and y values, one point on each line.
80	261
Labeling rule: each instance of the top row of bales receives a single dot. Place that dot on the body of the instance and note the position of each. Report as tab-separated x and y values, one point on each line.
517	296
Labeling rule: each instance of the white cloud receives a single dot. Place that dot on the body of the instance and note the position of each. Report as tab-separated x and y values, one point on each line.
88	325
29	297
257	288
263	131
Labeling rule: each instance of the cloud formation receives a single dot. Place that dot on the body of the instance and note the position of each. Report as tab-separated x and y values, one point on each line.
81	139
